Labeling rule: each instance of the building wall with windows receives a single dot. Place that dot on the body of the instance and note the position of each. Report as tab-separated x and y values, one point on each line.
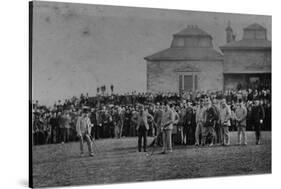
247	62
191	63
174	76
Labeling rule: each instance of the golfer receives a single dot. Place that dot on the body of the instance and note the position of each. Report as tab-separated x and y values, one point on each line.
167	127
83	128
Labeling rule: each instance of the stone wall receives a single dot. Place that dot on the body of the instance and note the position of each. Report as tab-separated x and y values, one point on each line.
163	76
247	61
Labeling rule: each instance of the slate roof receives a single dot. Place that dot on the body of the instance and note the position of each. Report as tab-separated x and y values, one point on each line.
192	31
186	54
248	44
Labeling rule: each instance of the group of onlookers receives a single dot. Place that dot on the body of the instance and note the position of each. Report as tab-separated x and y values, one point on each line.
207	123
116	116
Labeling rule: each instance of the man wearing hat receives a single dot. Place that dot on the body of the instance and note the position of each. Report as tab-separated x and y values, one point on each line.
118	122
54	126
199	122
209	122
218	137
141	120
187	122
257	117
240	116
66	122
157	121
225	115
167	127
83	128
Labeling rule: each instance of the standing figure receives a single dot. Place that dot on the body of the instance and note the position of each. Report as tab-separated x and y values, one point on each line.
83	129
151	124
54	127
218	137
121	114
118	122
257	117
99	129
133	124
187	123
240	117
199	122
67	120
141	119
182	113
105	123
157	122
225	115
167	127
175	123
209	122
93	119
127	122
61	127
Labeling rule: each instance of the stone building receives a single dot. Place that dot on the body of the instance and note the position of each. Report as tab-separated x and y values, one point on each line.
191	63
247	62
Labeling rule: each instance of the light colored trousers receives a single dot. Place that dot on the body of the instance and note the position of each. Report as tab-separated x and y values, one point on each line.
241	131
88	140
118	129
225	135
167	140
198	131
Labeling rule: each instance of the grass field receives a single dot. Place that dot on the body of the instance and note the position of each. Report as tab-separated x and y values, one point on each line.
117	160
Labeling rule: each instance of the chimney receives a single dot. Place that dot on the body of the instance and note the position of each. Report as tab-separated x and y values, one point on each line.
229	33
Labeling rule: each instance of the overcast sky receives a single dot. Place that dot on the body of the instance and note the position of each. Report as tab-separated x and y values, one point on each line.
77	47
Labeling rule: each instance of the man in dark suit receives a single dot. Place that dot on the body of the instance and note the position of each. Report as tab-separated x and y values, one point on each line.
127	121
141	119
258	117
157	121
218	137
54	127
209	122
118	122
93	119
187	123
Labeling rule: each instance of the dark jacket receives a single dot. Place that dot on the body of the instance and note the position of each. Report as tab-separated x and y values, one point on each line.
210	116
257	113
188	116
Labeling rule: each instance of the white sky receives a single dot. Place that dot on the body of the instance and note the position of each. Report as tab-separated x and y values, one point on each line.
77	47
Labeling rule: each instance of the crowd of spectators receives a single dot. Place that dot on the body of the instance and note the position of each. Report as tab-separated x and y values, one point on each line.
111	114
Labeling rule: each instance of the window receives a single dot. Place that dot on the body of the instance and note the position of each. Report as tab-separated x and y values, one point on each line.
188	82
178	42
